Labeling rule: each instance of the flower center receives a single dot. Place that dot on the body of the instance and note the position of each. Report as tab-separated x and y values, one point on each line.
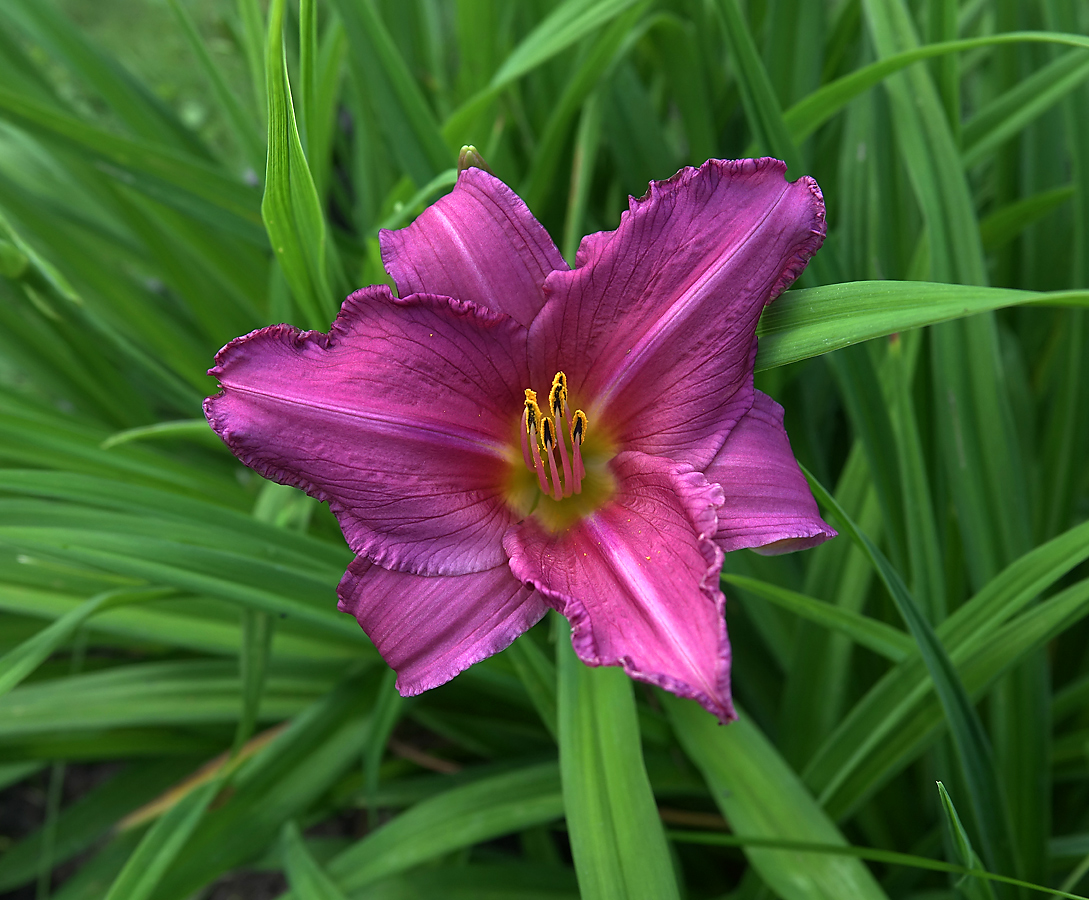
565	478
543	437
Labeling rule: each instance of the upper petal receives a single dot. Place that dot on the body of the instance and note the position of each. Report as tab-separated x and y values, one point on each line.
639	580
429	628
481	243
401	418
768	503
655	325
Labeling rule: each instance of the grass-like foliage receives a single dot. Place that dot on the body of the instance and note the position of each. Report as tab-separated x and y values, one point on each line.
183	173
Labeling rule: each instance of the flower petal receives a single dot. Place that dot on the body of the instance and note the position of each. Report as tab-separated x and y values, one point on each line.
655	325
430	628
401	418
479	243
768	503
639	580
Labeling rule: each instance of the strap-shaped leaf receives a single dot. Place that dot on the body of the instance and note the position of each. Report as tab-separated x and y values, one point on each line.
762	797
969	739
291	208
617	840
812	321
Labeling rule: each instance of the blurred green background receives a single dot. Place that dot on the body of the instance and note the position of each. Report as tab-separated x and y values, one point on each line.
144	37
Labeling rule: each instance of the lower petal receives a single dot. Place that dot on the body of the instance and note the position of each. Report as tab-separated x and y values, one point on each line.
431	628
768	505
638	579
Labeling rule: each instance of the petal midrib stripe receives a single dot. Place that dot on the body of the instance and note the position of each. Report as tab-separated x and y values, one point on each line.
675	317
612	549
393	426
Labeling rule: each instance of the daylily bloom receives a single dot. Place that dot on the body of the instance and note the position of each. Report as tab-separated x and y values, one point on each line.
510	434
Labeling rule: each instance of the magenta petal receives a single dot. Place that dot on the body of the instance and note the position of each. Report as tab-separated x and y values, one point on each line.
639	580
400	418
430	628
655	325
480	243
768	504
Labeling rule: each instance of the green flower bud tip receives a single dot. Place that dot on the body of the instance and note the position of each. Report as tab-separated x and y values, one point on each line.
470	158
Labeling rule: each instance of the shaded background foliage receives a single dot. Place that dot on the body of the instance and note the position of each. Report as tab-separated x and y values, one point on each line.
173	174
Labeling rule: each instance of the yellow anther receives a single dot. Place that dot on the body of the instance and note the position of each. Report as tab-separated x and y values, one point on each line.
533	412
548	435
578	427
557	396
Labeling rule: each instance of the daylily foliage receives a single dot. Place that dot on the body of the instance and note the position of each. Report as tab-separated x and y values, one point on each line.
475	504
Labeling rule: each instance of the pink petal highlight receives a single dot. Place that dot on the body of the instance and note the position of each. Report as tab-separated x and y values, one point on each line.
768	505
399	418
431	628
639	580
655	325
478	243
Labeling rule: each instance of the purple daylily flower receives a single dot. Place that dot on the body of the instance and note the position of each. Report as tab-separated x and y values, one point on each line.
473	505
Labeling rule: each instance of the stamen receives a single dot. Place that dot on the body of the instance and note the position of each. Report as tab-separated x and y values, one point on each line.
578	435
548	440
538	466
533	411
557	396
531	422
525	439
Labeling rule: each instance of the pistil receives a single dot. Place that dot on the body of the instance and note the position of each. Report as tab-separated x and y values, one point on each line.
547	441
557	401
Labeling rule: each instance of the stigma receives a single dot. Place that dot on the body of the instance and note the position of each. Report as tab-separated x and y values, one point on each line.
552	441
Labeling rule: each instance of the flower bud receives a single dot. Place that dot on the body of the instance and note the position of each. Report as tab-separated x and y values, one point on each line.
470	158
